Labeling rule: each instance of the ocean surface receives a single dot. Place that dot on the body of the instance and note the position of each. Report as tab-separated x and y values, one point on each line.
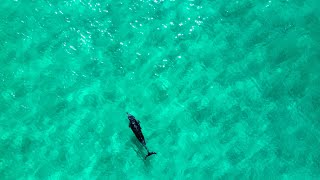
222	89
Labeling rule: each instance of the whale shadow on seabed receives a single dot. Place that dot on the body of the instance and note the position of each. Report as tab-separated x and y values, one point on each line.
140	151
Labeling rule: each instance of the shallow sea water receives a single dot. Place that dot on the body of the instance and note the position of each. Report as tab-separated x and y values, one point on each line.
223	89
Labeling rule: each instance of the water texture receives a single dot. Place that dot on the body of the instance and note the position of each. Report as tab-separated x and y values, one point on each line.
223	89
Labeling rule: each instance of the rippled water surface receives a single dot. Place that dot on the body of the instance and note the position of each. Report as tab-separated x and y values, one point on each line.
223	89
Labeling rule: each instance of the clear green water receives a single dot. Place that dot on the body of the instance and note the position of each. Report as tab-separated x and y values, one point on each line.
223	89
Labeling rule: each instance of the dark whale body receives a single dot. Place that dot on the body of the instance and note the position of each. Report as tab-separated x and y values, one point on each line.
136	129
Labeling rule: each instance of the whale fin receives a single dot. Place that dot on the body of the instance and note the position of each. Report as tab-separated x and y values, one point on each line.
149	154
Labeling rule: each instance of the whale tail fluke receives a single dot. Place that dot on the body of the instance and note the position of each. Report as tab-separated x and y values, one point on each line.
149	154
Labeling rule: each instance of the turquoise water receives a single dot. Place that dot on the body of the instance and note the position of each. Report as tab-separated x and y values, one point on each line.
223	89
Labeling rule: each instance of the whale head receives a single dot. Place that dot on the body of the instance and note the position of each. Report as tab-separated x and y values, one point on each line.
130	117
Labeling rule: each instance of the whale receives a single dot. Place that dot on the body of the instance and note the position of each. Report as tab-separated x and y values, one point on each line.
134	124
